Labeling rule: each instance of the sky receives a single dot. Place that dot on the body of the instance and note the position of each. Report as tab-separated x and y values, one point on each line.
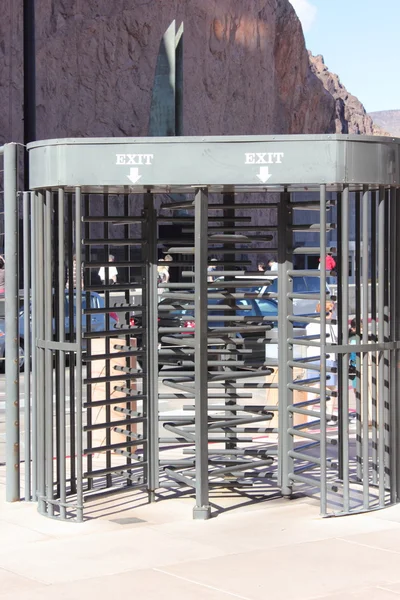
358	40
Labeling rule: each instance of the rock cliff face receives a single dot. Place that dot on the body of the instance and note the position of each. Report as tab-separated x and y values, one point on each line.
246	69
388	120
349	115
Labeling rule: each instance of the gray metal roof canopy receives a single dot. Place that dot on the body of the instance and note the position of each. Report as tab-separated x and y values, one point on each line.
231	163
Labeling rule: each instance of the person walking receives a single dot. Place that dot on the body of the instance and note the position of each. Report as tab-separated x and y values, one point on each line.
273	265
210	269
262	267
330	265
112	272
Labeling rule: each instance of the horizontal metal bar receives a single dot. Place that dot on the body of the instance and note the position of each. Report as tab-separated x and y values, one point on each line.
109	470
314	227
110	447
62	346
315	296
90	335
113	242
311	366
113	424
306	403
185	462
305	341
93	357
313	482
237	467
109	309
312	390
55	502
306	457
111	378
312	250
109	401
113	219
311	436
303	411
372	347
228	407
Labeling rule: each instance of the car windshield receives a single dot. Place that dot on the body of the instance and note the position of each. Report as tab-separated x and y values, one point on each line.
313	284
266	306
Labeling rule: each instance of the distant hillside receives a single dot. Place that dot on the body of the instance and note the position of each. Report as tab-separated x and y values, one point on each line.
389	120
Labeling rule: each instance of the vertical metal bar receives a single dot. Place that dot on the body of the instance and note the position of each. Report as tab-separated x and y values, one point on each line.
285	417
358	313
393	312
128	383
396	417
374	368
71	333
344	421
339	295
89	392
381	338
229	199
365	356
323	398
31	316
41	463
151	295
27	346
106	230
56	337
61	355
79	404
11	323
386	354
202	509
48	354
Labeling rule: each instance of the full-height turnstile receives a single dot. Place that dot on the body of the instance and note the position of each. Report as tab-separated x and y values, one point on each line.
217	379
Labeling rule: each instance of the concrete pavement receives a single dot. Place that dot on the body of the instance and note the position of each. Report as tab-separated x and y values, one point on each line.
253	550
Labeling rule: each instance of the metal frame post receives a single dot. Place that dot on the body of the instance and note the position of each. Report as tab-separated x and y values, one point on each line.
33	312
323	394
27	342
152	346
202	509
78	388
284	353
11	323
365	355
344	398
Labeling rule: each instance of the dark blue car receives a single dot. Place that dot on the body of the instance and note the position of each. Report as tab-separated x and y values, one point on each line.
97	321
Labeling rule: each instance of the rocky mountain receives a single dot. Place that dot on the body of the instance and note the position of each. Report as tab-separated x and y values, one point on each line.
350	115
388	120
246	69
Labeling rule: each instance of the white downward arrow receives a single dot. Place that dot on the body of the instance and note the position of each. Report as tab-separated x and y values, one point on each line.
134	175
264	174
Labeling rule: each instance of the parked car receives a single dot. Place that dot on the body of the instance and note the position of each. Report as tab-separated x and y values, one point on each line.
183	318
97	321
301	285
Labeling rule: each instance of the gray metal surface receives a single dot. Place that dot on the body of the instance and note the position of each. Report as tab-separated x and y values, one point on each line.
10	159
244	399
262	161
